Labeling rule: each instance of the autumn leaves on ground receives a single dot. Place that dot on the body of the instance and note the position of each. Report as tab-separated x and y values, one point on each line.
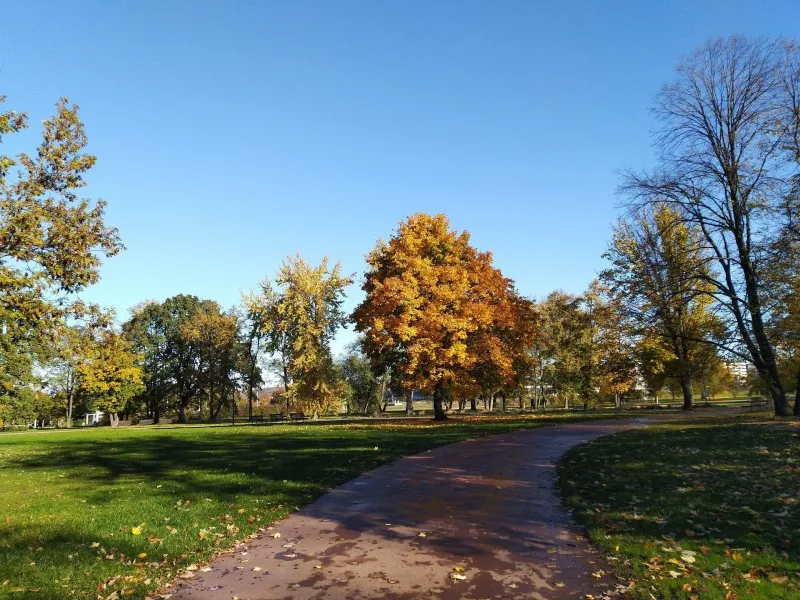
708	509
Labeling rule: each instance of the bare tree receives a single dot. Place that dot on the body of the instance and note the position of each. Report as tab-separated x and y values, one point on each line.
721	143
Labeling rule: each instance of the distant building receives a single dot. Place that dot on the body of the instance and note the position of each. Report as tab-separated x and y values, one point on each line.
738	370
94	418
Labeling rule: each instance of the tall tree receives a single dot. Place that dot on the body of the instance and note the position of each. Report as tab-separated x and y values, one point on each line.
660	272
563	351
252	338
214	334
436	306
173	367
367	390
51	240
301	315
722	134
68	351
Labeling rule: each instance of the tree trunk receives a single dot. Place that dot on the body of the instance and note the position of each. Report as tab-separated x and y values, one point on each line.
473	405
382	400
250	398
69	408
184	402
114	419
409	402
566	402
688	393
215	415
438	410
797	396
212	416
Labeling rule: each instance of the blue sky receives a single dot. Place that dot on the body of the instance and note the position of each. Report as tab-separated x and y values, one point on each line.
232	134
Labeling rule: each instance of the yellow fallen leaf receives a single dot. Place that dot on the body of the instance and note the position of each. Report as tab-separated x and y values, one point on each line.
142	555
256	568
136	530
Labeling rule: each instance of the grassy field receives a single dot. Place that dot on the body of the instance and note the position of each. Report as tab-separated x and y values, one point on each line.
702	510
93	513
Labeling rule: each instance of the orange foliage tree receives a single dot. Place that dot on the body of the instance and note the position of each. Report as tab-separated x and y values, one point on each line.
439	312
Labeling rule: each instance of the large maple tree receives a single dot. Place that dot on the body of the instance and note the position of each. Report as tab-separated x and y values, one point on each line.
439	311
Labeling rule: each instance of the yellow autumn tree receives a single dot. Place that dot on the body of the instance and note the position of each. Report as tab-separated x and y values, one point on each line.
299	316
437	310
110	374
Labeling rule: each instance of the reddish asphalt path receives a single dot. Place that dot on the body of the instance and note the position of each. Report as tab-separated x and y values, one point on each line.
485	509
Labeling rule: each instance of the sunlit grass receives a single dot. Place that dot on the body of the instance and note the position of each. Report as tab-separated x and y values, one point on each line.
91	512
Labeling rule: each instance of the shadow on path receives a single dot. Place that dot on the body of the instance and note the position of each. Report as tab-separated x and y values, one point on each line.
475	519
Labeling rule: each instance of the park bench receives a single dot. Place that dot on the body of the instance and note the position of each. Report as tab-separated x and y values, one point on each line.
146	421
756	403
297	416
257	418
277	417
124	423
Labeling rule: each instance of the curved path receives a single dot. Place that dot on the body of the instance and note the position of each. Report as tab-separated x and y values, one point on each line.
477	519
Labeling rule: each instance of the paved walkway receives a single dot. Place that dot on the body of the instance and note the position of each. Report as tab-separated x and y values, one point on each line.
478	519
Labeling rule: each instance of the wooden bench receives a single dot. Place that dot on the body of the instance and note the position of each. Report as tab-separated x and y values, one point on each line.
257	418
146	421
297	416
756	403
277	417
124	423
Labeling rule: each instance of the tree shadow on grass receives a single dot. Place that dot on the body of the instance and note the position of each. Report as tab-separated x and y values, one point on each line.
717	487
147	477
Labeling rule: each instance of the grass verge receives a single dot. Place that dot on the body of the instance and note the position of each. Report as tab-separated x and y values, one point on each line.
102	513
706	509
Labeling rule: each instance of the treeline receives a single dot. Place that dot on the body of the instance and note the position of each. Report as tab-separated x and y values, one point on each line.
702	271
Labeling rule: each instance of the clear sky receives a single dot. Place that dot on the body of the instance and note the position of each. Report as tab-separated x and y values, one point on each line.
231	134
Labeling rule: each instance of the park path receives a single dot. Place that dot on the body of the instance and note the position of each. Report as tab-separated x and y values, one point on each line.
486	510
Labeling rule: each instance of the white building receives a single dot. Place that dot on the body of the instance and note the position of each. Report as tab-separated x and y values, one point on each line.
95	417
738	369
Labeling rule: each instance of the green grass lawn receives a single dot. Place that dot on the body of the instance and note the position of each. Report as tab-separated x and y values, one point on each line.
91	513
703	509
